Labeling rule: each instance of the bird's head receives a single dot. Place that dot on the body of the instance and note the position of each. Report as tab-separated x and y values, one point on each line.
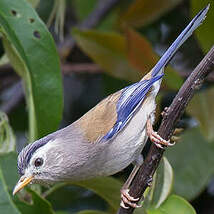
34	162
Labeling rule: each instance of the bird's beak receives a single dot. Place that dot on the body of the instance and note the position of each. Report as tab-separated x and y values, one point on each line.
23	181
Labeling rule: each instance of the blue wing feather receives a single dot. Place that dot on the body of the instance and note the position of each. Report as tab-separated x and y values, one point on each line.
129	101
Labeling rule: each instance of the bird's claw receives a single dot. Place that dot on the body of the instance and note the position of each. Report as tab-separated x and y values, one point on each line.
159	141
127	199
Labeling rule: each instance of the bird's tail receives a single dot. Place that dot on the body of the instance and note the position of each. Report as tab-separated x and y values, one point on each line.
186	33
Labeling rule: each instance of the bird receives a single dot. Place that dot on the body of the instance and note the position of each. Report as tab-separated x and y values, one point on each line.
106	139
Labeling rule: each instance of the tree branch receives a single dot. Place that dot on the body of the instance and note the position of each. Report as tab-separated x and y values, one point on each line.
96	16
170	118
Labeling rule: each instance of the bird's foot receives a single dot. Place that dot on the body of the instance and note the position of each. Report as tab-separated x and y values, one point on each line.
155	137
127	199
159	141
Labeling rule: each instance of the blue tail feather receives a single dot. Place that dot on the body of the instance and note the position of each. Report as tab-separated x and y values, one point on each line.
185	34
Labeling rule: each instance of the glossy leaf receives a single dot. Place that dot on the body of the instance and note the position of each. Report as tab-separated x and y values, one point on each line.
192	160
202	108
174	204
167	182
32	52
143	58
161	185
144	12
206	33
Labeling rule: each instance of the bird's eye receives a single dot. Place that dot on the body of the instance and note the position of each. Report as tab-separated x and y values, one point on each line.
38	162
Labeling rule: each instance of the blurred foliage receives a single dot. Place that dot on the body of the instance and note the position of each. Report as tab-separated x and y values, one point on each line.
123	45
143	12
126	57
174	204
58	12
189	158
202	107
7	138
22	32
204	35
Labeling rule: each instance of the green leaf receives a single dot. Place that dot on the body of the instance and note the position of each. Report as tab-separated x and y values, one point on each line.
6	203
202	108
174	204
206	33
107	188
32	53
167	182
161	185
192	160
109	51
7	138
144	12
9	161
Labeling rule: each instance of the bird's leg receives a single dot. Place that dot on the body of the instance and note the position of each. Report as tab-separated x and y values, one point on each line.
125	197
155	138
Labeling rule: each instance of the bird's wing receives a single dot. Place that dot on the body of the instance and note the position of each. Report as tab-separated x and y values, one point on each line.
110	116
131	98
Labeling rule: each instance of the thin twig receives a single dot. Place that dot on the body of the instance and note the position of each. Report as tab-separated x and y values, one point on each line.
96	16
92	68
170	118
